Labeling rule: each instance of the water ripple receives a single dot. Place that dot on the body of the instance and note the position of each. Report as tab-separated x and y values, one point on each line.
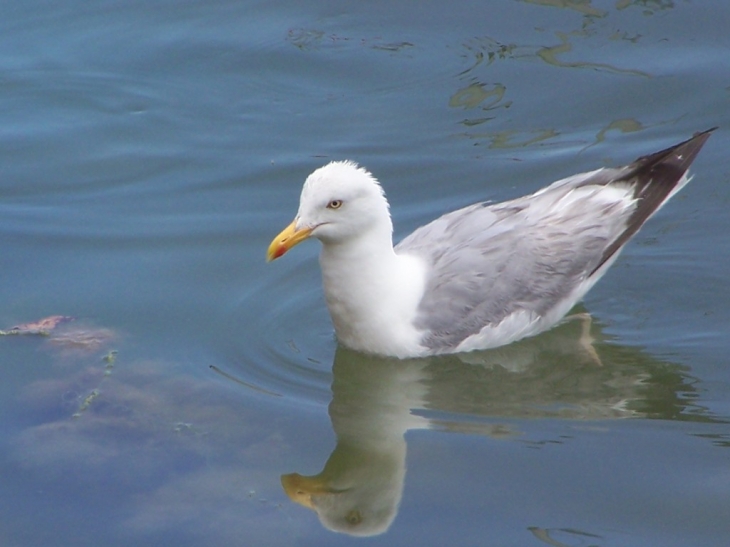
286	344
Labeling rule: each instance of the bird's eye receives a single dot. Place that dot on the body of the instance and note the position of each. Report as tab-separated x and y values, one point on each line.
334	204
353	518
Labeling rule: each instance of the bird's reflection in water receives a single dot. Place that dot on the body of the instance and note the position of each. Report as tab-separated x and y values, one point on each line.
560	374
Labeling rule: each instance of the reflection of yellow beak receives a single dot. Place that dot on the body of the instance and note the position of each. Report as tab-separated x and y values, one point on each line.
289	237
301	489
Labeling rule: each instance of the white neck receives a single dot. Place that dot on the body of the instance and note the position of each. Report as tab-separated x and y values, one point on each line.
372	294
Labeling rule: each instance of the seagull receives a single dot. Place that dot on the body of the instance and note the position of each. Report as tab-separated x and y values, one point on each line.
478	277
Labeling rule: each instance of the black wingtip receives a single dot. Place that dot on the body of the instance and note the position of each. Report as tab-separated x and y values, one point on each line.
698	140
678	157
691	147
654	178
707	132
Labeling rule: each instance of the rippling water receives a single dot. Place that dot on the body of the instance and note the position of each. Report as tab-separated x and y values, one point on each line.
150	150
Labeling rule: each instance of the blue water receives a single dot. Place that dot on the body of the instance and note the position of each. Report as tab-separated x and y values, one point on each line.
149	151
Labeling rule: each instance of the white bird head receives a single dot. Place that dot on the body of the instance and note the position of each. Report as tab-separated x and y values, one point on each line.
339	202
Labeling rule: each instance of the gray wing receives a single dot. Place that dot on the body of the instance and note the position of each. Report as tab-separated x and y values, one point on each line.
487	262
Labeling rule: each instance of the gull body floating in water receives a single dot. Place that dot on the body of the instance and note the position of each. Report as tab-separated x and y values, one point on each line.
479	277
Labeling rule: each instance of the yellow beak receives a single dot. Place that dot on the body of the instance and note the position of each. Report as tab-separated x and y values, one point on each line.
289	237
302	489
